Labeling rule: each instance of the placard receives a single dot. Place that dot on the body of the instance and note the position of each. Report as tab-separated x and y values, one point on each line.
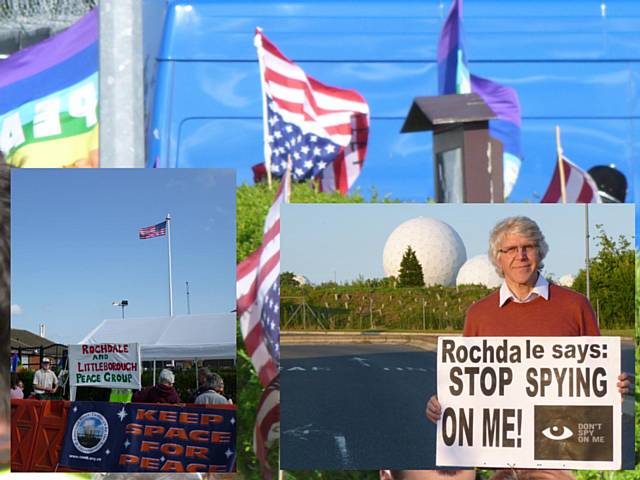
107	365
529	402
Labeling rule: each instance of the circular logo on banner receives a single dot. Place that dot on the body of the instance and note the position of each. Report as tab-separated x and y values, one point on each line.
90	432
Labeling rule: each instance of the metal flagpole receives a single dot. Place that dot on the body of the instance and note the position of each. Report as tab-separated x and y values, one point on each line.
170	276
586	244
563	187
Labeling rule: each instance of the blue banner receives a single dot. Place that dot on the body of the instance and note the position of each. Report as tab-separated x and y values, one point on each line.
136	437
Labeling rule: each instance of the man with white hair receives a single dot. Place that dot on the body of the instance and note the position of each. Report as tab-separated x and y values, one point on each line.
163	392
526	304
212	385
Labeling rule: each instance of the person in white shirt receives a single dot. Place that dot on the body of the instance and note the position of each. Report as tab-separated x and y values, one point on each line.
45	382
210	396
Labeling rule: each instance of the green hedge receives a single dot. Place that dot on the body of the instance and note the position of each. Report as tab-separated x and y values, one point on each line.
359	307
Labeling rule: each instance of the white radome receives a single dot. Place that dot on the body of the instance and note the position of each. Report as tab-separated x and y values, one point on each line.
301	279
479	270
566	280
439	249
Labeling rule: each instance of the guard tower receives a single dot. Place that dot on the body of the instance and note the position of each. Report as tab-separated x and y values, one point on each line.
467	162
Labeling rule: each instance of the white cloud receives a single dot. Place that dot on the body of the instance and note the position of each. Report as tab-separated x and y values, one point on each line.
16	309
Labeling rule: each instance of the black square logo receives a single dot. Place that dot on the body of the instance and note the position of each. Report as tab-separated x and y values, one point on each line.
577	432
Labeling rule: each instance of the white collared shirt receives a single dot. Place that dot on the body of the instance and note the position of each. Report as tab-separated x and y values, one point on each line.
540	289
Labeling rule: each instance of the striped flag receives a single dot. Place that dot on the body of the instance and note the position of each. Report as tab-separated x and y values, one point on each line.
258	306
154	231
580	187
49	100
267	428
258	295
454	77
325	129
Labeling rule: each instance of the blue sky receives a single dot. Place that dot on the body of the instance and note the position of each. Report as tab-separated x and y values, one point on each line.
75	246
322	241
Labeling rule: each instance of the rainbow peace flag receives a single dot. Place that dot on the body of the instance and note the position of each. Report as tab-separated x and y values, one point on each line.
454	77
49	100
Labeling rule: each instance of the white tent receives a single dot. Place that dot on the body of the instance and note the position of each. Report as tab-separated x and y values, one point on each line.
181	337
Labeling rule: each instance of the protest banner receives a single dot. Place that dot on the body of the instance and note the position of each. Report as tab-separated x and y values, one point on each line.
132	437
535	402
107	365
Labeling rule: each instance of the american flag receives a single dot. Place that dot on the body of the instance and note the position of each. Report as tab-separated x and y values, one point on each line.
258	305
580	187
325	129
258	295
154	231
267	428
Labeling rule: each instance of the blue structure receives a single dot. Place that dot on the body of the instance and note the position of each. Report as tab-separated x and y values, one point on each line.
573	63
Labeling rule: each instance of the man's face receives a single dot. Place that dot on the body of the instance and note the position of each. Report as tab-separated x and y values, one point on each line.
202	376
46	365
518	258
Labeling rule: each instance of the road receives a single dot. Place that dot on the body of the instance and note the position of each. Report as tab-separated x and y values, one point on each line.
361	406
356	406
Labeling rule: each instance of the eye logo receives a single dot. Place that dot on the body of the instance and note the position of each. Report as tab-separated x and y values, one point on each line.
560	432
557	432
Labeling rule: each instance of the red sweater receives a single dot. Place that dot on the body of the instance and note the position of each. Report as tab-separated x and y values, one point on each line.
157	394
566	313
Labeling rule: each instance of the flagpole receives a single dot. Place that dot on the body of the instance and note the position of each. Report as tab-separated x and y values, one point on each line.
586	242
287	192
563	187
170	274
265	129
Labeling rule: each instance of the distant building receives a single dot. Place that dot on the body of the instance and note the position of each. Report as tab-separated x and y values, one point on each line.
31	348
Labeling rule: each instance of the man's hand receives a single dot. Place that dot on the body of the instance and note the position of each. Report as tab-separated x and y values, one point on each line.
624	383
433	410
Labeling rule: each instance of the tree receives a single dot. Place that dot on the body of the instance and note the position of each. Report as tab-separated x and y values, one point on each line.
612	281
288	279
252	204
410	270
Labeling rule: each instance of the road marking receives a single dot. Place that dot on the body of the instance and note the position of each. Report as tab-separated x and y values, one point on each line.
361	361
325	369
300	432
341	443
292	369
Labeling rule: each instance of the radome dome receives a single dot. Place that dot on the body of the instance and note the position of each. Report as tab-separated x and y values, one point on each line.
439	249
479	270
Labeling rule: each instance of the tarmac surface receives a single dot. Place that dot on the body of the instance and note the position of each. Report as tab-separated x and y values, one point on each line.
356	406
360	406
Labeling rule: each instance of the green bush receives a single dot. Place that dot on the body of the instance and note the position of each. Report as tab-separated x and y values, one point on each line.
611	282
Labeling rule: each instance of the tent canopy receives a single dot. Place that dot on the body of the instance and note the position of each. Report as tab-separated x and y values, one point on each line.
181	337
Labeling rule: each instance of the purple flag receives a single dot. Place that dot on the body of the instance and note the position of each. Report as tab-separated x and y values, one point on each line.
454	77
